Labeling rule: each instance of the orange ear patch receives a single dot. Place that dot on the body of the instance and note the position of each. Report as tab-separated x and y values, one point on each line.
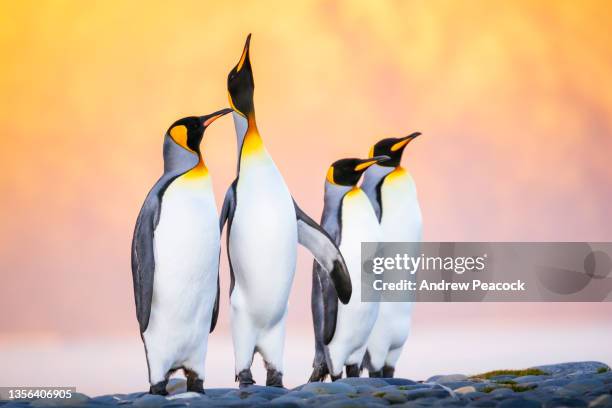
179	135
330	175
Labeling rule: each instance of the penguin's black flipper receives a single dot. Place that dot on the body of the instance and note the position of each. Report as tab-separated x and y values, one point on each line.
227	214
215	313
325	251
229	205
143	259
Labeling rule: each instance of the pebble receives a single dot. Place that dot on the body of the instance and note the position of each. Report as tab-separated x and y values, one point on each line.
442	379
601	401
519	403
336	387
565	402
465	390
372	382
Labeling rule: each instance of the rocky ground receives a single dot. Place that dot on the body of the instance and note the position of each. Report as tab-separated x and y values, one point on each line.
582	384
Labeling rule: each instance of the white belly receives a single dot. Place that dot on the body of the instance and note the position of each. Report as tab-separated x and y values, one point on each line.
263	243
187	245
401	217
401	222
356	319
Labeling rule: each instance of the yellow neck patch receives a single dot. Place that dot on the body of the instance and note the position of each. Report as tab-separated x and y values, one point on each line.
396	174
353	192
198	172
252	143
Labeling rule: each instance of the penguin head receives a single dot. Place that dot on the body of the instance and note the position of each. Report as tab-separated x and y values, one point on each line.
240	84
392	147
188	132
346	172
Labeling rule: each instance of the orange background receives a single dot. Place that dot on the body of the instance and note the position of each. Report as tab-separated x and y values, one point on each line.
514	100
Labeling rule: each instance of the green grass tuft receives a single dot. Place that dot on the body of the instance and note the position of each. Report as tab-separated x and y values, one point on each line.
602	370
380	394
518	373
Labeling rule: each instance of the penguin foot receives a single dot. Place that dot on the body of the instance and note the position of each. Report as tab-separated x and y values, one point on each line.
159	388
376	374
319	373
388	371
245	378
274	378
336	377
194	383
352	370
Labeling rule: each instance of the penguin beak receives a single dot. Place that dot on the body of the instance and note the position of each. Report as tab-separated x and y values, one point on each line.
245	54
208	119
364	164
404	141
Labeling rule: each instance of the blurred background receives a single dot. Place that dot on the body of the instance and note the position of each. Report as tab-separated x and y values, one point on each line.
514	100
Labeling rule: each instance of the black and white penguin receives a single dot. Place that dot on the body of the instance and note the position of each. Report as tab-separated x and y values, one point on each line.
175	259
264	228
342	331
393	195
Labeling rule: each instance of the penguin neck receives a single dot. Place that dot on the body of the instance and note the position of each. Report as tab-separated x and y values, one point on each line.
249	141
334	194
371	180
178	160
199	171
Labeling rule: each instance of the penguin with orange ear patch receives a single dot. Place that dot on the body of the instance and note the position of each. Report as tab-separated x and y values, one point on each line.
342	330
175	260
392	192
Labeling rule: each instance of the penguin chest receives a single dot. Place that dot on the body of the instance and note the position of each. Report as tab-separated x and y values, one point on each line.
263	239
355	319
401	214
187	246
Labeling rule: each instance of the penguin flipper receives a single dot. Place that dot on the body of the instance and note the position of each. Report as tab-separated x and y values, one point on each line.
325	251
229	205
227	214
215	312
143	259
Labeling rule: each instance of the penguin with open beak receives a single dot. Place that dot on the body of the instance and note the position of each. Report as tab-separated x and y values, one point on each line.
392	192
342	330
175	259
264	227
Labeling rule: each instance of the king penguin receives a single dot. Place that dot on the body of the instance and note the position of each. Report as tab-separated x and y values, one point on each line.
342	331
264	227
392	192
175	260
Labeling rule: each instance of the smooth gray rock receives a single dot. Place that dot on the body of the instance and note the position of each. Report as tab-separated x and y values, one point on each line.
426	393
601	401
519	403
576	368
458	384
372	382
583	386
149	400
465	389
399	381
483	403
526	379
328	388
565	402
501	391
218	392
502	378
107	399
299	394
442	379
